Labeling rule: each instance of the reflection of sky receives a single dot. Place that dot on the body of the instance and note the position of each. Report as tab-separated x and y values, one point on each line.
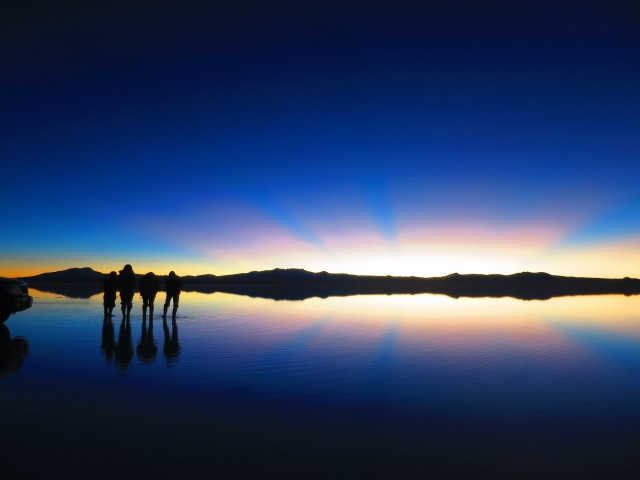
380	140
425	353
404	379
436	321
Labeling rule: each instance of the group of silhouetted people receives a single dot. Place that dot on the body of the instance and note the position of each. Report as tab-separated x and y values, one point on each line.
125	282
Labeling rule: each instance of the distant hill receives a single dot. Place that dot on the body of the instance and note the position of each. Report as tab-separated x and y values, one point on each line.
299	284
71	275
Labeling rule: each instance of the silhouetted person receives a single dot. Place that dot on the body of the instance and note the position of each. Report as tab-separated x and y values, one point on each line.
108	339
124	348
147	349
171	348
173	287
110	291
149	286
127	284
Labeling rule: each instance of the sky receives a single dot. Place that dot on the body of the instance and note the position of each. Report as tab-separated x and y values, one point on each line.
379	137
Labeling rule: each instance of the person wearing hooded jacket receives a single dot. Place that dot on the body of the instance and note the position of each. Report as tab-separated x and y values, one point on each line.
173	287
110	292
149	286
127	284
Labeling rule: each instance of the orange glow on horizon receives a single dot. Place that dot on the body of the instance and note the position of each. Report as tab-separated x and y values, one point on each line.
423	252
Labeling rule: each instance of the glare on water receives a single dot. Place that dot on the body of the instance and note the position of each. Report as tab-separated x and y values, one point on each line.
477	367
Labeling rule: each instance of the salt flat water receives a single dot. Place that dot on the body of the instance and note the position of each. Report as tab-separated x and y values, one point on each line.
398	386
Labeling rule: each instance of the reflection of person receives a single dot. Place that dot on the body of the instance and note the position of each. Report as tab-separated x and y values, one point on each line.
147	348
110	292
12	351
149	286
108	339
173	287
127	284
171	348
124	348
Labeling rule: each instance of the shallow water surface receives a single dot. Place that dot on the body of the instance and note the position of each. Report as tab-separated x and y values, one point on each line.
350	387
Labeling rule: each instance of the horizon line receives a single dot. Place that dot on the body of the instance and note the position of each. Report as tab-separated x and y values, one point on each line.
329	273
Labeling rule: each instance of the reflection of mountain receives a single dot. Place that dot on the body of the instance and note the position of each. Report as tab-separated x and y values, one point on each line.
71	290
526	286
297	284
12	352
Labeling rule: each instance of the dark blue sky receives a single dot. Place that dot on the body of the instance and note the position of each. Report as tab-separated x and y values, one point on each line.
263	134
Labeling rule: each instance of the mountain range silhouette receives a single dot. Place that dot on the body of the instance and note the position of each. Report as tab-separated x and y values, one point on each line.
300	284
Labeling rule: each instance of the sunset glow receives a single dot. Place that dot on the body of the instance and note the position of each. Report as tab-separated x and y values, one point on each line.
474	140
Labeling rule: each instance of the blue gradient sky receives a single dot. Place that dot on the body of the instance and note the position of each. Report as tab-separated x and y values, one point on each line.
415	138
